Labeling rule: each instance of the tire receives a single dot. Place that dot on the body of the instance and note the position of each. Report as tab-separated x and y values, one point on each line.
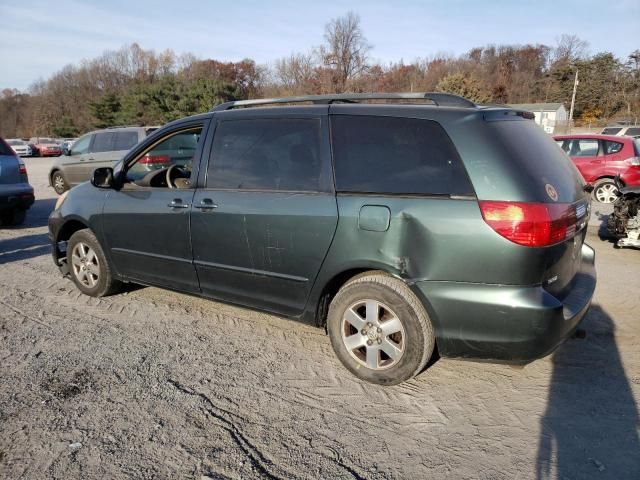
58	182
88	267
604	190
15	217
399	325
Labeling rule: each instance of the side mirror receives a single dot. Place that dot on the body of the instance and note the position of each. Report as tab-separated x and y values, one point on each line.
66	151
102	177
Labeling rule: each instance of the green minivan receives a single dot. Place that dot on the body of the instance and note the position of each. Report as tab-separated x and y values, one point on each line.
401	223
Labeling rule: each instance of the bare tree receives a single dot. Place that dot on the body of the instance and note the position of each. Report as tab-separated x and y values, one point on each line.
569	48
295	73
346	50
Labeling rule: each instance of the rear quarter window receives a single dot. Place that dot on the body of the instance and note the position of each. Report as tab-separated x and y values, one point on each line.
612	147
535	161
394	155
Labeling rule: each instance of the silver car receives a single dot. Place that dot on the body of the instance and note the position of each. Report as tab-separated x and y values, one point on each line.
101	148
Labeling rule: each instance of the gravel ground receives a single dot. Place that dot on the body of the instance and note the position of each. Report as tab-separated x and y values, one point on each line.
155	384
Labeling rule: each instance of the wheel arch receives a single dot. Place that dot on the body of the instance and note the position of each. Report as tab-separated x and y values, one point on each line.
329	287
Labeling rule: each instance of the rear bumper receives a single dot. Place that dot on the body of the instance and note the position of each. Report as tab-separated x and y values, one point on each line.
513	324
20	199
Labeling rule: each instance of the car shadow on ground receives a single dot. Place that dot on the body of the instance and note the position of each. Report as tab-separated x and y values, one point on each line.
589	431
37	215
22	248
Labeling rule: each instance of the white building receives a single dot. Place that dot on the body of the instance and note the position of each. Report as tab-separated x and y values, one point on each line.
549	116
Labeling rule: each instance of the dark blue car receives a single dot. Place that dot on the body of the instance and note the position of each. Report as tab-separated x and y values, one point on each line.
16	195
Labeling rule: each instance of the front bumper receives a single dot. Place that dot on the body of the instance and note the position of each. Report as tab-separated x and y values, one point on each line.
58	249
514	324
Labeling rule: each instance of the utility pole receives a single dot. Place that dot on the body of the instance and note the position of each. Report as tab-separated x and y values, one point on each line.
573	100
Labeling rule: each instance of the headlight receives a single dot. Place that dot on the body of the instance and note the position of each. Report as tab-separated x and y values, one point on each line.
61	200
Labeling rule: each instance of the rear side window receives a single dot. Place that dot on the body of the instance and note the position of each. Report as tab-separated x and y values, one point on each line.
631	131
584	147
103	142
611	130
397	156
125	140
268	154
612	147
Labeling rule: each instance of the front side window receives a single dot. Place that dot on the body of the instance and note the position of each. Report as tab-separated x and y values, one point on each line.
268	154
583	148
396	155
611	130
175	150
81	145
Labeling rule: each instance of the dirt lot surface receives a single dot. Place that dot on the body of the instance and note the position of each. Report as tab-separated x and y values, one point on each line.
155	384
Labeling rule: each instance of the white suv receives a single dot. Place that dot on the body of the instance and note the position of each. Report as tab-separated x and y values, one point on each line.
619	130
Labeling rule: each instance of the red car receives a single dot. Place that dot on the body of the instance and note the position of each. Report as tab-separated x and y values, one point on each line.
45	147
600	158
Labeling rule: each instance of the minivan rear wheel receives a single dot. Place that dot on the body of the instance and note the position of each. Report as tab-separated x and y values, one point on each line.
58	182
379	329
88	266
605	190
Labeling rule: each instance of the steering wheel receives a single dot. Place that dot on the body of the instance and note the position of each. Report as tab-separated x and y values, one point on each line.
172	173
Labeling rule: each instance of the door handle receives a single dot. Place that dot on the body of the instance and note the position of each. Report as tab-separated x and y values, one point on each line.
207	204
177	203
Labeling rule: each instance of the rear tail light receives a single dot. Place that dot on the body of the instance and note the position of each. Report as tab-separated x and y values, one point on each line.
154	159
633	161
531	224
22	168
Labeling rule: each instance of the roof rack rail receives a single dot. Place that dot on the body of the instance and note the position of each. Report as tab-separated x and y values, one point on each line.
122	126
438	99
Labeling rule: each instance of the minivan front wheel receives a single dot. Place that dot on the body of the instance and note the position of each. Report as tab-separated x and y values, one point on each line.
379	329
605	191
88	266
58	182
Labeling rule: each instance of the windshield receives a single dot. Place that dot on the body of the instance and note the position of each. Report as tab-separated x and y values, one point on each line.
15	142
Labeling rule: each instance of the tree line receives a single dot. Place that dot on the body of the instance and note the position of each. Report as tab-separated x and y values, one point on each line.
137	86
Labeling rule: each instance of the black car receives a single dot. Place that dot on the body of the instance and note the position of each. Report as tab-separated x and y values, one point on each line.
16	195
396	226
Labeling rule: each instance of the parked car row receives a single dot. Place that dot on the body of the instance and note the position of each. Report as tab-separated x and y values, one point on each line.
40	146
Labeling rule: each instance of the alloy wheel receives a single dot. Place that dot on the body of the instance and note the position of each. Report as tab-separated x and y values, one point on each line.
373	334
86	266
58	183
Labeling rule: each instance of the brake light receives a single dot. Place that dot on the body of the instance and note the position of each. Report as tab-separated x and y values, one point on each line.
531	224
22	168
154	159
633	161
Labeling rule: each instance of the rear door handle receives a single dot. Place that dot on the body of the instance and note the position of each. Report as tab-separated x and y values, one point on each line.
206	204
177	203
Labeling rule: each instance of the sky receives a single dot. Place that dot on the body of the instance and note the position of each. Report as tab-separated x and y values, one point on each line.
40	37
